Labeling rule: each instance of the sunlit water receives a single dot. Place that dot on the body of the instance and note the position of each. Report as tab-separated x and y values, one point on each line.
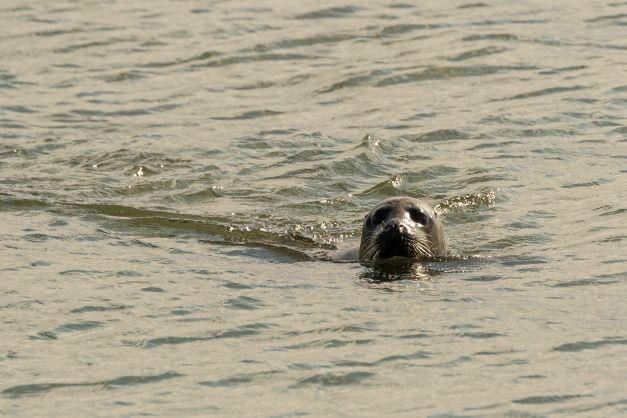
174	176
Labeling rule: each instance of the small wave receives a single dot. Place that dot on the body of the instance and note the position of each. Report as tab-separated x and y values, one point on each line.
394	30
537	400
328	343
42	388
203	56
354	81
331	12
585	282
317	39
92	308
476	53
547	91
66	328
18	109
94	44
471	200
239	332
491	37
243	303
9	203
240	379
438	135
445	73
245	59
590	345
418	355
254	114
617	19
335	379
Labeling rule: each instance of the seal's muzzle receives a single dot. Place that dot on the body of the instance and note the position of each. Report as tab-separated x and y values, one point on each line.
395	240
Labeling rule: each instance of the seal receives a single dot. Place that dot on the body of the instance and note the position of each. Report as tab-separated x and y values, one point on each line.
400	227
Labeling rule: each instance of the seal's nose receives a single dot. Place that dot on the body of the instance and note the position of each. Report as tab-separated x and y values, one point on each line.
397	227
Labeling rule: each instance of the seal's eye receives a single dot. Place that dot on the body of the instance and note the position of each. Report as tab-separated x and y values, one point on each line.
418	216
380	215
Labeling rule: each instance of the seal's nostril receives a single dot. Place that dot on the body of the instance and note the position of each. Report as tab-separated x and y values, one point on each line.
397	228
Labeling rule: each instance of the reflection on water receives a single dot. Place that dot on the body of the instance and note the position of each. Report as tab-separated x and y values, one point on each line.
395	270
174	177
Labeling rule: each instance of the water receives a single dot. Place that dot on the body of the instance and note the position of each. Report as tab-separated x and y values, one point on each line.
175	174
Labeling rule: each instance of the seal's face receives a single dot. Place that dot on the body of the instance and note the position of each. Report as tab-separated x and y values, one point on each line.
402	227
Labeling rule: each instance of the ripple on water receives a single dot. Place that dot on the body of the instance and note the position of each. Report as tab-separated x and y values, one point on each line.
418	355
67	328
445	73
536	400
329	343
316	39
182	168
94	308
256	58
547	91
331	12
587	282
334	379
42	388
590	345
243	303
480	52
438	135
239	332
245	378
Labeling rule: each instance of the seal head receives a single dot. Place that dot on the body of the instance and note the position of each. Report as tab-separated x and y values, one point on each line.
402	227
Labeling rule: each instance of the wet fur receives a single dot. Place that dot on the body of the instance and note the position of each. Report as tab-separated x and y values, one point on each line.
416	241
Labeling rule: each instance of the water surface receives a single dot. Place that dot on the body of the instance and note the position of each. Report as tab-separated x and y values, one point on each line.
175	174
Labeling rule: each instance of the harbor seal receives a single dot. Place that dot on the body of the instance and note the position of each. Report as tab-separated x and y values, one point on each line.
400	227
